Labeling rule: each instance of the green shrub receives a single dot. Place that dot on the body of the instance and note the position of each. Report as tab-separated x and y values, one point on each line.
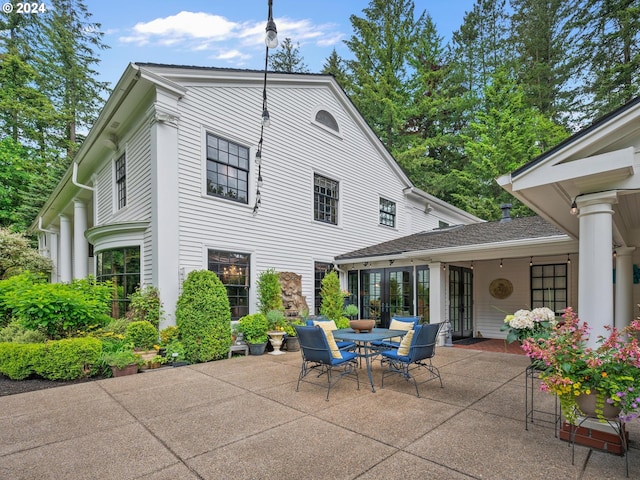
254	328
119	358
174	346
269	291
59	310
16	333
203	317
275	319
332	298
16	283
18	360
70	358
168	334
145	305
117	326
66	359
141	334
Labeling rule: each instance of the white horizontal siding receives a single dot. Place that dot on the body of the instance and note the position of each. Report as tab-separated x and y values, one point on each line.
283	235
489	312
104	194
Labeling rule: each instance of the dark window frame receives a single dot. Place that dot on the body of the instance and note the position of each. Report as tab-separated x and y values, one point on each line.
423	286
549	284
234	271
122	266
326	199
387	212
121	181
227	169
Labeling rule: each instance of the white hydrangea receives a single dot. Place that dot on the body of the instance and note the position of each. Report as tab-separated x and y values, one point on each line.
522	319
543	314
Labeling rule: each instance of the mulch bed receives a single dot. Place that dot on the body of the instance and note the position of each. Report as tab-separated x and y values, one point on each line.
13	387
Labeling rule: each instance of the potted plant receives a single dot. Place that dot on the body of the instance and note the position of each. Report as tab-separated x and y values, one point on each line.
122	361
607	376
351	311
536	323
292	343
254	328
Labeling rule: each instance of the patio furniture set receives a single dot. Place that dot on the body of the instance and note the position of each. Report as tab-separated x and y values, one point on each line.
403	348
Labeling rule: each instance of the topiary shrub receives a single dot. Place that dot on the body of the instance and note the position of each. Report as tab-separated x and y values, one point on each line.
19	360
203	317
142	334
145	305
332	298
254	328
269	291
69	359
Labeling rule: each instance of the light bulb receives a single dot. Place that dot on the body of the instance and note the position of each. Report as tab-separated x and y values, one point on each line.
271	38
266	119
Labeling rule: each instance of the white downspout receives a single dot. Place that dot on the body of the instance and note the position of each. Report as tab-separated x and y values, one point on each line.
74	179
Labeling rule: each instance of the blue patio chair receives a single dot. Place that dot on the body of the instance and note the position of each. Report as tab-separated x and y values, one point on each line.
419	355
341	345
317	357
392	343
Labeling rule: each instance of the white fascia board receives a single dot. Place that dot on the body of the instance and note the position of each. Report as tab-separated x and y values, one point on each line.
619	163
442	204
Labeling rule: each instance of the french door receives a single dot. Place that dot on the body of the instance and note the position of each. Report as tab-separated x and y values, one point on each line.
461	302
386	292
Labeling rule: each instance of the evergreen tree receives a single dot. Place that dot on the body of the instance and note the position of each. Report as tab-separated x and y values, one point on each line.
334	65
378	76
288	59
607	58
506	135
541	47
67	60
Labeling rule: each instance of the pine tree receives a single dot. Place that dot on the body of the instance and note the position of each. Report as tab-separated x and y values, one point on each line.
288	59
378	76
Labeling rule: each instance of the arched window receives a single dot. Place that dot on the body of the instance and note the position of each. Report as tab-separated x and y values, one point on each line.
326	119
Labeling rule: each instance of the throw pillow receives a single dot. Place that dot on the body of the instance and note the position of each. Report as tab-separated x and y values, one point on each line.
399	325
327	328
405	344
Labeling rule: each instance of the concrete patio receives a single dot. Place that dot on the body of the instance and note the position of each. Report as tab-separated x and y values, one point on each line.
242	418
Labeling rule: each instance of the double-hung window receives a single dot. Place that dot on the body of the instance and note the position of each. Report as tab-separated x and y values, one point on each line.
549	287
121	181
325	199
387	212
227	169
232	268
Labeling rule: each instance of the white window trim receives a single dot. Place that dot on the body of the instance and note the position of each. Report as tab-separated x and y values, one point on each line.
114	180
337	134
338	224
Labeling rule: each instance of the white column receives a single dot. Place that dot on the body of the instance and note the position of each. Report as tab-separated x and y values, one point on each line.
595	285
437	296
64	258
80	245
164	221
624	286
53	252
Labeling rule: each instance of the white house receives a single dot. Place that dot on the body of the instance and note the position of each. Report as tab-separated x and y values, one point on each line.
166	182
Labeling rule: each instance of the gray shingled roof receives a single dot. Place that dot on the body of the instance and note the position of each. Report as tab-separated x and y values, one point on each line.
461	235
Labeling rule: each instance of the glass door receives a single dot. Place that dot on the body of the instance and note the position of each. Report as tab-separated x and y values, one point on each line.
386	292
461	302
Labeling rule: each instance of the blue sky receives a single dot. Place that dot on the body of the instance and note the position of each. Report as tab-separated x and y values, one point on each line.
230	33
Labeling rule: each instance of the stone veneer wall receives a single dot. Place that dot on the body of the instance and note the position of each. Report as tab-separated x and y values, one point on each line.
292	299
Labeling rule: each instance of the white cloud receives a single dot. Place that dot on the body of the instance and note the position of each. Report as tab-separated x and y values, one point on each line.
231	55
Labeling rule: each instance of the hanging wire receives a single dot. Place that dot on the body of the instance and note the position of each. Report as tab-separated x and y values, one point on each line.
266	120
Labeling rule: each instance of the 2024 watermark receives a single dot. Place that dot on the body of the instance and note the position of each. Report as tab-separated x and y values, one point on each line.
24	7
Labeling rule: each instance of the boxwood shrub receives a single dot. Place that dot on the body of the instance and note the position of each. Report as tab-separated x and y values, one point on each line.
142	334
203	317
66	359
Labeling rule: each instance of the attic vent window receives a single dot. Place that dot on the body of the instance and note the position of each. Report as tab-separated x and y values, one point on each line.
326	119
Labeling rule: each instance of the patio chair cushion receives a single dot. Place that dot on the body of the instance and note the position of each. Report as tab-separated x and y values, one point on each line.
405	344
328	331
326	324
399	325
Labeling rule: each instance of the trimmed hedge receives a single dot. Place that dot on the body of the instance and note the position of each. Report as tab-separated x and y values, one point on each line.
66	359
203	317
142	334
